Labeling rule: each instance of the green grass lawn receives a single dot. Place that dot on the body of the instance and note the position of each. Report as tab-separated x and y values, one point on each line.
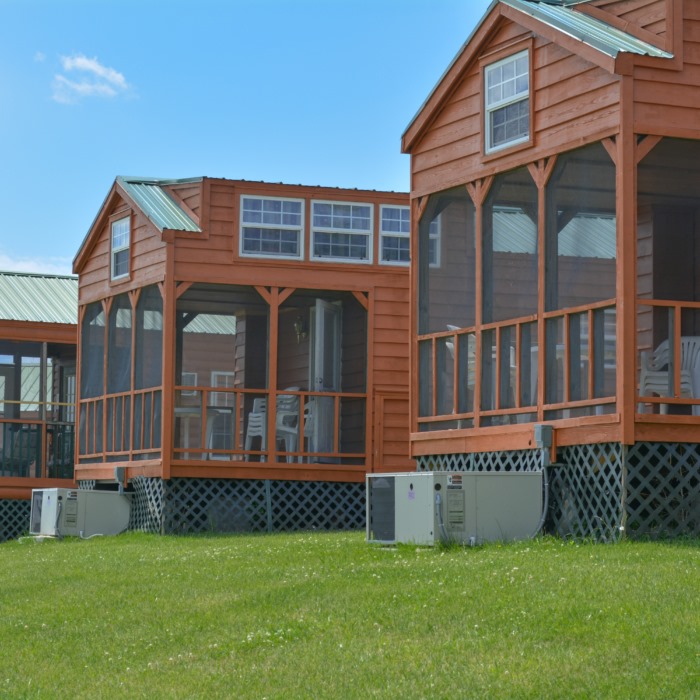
325	615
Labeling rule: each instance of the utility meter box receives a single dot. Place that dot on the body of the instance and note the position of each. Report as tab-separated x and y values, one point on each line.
62	512
465	507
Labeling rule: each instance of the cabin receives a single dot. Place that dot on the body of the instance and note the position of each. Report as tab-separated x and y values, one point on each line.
243	351
38	345
560	154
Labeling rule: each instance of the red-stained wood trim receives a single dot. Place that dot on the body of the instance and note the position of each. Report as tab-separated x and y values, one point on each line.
172	291
362	298
626	267
180	287
610	146
265	293
285	294
272	370
645	146
370	408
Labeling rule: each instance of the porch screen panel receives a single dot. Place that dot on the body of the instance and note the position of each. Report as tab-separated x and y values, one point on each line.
148	370
92	347
92	379
580	229
119	346
510	248
222	336
446	263
668	260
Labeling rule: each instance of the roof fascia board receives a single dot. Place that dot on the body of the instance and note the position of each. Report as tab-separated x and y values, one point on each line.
101	216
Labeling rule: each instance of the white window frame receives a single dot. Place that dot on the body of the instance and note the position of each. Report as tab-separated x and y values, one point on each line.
334	230
189	379
120	248
399	235
497	104
271	227
222	399
434	237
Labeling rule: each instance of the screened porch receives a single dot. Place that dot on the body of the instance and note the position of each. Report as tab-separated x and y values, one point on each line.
37	410
270	375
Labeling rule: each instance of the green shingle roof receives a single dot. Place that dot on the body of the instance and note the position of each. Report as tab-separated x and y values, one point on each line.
38	298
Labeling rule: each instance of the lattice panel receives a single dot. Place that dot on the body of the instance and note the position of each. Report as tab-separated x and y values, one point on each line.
14	518
219	505
663	489
87	485
224	505
303	505
506	461
585	492
147	505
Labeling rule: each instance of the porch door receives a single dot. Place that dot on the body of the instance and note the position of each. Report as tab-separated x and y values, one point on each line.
324	370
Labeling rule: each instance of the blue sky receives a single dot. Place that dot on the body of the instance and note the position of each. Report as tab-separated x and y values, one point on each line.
316	92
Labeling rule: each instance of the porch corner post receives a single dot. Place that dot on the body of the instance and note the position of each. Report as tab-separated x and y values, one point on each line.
169	302
626	288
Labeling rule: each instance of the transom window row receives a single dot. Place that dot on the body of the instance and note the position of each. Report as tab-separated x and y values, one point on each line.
274	227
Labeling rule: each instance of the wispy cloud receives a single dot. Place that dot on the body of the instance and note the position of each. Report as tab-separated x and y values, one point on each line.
47	266
92	79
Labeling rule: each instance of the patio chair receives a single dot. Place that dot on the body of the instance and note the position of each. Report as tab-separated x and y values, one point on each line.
287	425
257	427
656	376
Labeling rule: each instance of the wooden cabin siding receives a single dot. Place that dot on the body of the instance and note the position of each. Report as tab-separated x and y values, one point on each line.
146	263
574	102
649	15
188	194
391	341
666	101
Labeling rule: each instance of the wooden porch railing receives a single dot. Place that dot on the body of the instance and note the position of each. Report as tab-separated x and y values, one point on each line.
471	377
236	424
124	426
668	345
36	449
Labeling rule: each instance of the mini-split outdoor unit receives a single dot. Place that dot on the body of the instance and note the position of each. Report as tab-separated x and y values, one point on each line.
464	507
78	513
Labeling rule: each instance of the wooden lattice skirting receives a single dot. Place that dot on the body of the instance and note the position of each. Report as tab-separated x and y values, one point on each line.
226	505
14	518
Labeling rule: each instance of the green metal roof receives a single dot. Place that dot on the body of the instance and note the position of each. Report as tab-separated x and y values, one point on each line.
157	204
590	31
38	298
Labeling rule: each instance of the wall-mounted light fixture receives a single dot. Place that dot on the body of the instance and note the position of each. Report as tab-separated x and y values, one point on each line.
300	329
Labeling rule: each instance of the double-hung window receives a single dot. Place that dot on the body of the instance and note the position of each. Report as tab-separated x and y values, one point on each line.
121	236
507	102
272	227
342	231
394	239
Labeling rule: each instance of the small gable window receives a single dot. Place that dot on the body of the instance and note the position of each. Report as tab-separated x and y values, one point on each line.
120	248
507	102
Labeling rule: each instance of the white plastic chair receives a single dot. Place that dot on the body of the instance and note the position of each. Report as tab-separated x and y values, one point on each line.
257	427
656	378
287	425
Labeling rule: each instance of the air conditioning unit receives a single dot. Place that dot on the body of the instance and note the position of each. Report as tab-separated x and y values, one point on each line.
79	513
464	507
